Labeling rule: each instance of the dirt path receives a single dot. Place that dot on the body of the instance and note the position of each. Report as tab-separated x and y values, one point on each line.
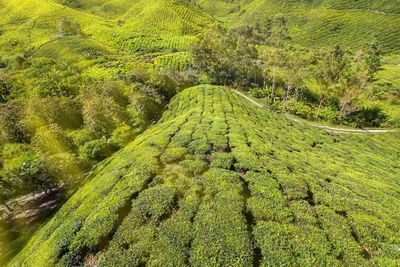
327	128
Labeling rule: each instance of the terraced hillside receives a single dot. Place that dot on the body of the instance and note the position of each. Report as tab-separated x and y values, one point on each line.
321	23
219	181
145	29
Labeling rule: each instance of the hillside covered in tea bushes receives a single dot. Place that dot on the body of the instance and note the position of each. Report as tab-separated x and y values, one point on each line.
220	181
122	143
320	23
79	80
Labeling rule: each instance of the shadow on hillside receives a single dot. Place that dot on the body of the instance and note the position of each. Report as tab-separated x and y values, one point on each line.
25	217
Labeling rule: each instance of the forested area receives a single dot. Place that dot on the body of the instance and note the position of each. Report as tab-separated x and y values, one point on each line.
331	85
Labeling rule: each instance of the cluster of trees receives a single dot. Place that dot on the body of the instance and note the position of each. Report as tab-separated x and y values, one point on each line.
262	59
55	124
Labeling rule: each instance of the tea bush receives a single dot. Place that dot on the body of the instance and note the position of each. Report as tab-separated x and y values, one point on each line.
280	193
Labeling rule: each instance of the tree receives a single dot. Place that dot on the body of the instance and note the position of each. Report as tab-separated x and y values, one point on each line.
348	89
372	58
293	69
6	192
229	57
368	62
63	111
329	71
278	35
4	91
11	128
22	172
67	27
104	107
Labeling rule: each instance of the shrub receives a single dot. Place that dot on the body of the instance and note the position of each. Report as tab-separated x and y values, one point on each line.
123	135
81	136
52	110
172	245
291	245
193	167
60	79
200	146
63	167
3	63
371	116
12	129
221	160
97	149
104	107
258	92
51	139
246	160
65	26
28	174
221	237
173	154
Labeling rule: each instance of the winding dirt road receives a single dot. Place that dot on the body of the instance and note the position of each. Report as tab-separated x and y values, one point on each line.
327	128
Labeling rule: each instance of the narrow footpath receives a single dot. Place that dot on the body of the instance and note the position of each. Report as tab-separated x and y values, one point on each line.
327	128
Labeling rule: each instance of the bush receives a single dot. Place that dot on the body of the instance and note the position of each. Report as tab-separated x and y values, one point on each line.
221	160
285	244
97	149
123	135
221	237
246	159
52	110
104	107
65	26
200	146
82	136
63	167
56	79
51	139
370	116
258	92
173	154
3	63
27	174
12	129
193	167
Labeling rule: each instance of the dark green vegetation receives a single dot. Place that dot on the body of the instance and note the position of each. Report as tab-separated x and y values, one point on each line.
279	51
78	81
81	79
219	181
318	23
216	181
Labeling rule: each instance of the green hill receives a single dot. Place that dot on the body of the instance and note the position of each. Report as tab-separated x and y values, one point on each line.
154	28
220	181
321	23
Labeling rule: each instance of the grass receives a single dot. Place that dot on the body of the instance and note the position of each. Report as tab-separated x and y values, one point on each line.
219	181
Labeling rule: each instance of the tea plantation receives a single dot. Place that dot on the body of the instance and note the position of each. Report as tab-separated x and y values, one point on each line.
219	181
320	23
155	29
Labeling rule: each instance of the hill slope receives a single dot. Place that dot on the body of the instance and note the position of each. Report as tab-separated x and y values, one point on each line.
219	181
321	23
144	29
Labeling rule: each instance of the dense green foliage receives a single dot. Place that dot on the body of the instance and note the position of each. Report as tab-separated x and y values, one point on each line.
79	80
220	181
217	181
335	86
320	23
76	85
